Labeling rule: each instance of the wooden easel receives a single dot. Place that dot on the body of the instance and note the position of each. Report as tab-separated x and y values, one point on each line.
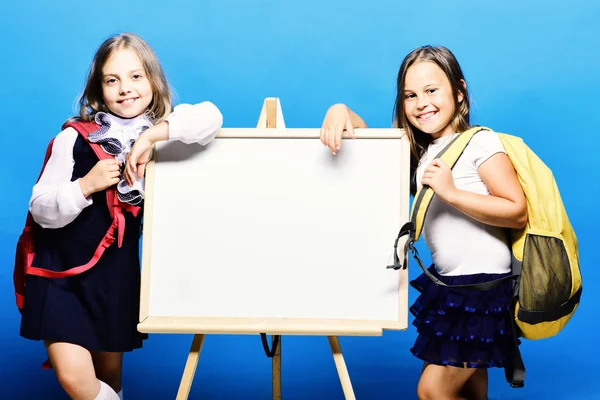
270	117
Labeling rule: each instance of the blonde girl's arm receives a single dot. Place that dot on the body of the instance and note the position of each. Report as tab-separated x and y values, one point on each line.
197	123
56	200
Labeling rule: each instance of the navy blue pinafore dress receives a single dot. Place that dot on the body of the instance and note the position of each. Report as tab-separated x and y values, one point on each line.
98	309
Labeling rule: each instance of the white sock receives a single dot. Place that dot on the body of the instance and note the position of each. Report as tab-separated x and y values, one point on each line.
106	393
120	394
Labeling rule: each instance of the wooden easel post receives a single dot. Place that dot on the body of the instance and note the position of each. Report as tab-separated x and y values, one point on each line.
270	118
190	367
340	365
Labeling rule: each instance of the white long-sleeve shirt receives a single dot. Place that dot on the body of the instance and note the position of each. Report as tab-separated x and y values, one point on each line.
56	201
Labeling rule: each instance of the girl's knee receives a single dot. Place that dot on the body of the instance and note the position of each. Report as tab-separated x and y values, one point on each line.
426	390
74	369
73	381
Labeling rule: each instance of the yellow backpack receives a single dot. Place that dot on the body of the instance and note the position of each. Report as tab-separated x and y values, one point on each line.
547	278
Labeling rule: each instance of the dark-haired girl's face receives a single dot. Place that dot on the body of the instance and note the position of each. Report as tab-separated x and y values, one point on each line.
428	100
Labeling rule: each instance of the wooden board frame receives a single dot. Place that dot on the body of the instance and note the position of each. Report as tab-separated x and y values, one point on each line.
270	125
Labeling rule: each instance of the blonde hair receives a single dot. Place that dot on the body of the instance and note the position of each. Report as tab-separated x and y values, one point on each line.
91	100
419	141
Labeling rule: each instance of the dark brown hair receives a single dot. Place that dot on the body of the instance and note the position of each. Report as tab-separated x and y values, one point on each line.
419	140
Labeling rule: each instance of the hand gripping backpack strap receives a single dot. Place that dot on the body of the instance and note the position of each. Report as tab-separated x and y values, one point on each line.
449	154
414	227
114	208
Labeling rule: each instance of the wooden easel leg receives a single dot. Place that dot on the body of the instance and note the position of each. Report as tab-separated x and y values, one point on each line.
268	118
338	358
276	366
190	368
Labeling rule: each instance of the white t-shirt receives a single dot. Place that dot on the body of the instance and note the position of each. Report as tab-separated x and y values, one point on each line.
459	244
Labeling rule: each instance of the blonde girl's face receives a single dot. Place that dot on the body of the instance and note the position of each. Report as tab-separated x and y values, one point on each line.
126	89
428	100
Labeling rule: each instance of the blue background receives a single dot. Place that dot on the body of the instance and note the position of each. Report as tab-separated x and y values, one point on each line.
532	68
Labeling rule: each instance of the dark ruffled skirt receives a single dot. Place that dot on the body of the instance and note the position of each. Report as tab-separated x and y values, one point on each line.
462	327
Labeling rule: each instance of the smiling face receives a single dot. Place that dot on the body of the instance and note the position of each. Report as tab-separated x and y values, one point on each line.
126	89
429	103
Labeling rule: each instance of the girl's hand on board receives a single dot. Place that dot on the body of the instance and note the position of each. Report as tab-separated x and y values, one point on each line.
104	174
438	176
337	120
137	159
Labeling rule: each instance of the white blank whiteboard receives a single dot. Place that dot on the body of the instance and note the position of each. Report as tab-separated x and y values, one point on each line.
264	230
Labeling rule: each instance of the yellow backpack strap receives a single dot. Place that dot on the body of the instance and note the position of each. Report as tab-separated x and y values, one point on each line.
449	154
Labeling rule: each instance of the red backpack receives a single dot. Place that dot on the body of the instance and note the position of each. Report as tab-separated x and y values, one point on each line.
25	251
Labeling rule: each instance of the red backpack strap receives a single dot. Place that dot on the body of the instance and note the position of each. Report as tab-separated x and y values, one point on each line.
115	208
25	250
26	240
85	128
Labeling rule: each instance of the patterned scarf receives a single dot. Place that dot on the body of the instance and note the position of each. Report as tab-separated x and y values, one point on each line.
117	136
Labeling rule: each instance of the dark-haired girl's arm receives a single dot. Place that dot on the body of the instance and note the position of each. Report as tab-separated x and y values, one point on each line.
339	118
